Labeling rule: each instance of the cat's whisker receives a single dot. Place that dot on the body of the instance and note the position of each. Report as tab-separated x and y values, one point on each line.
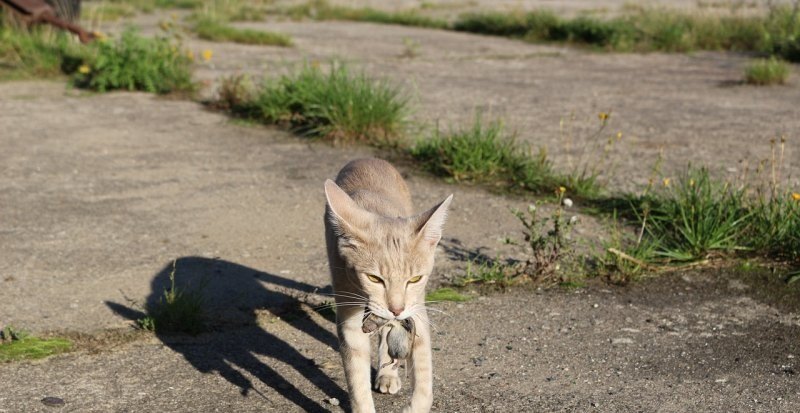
344	294
426	321
438	311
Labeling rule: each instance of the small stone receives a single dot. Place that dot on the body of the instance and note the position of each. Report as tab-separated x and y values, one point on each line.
333	401
53	401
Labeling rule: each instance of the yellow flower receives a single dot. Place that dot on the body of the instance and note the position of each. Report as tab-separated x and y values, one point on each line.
666	181
84	69
207	54
561	189
190	55
796	196
619	135
691	182
603	116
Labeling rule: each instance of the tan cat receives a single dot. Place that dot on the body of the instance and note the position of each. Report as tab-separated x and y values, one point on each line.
380	257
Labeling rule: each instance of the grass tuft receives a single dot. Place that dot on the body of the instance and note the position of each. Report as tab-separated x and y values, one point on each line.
178	310
322	10
17	345
446	294
485	153
218	31
764	72
36	53
132	62
337	105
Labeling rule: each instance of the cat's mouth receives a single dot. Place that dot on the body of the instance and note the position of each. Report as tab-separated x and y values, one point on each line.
372	309
378	311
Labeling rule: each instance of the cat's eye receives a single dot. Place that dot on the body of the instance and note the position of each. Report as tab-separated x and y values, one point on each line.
374	278
415	279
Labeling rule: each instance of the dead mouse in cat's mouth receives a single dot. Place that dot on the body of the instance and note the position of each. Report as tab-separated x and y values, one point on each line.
399	337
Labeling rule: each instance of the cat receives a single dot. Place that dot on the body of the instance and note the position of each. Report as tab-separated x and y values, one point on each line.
380	256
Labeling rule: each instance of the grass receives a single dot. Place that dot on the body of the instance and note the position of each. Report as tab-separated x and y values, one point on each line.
639	29
178	310
493	272
645	29
322	10
38	53
129	62
770	71
335	105
132	62
108	12
695	216
218	31
16	345
446	294
699	217
486	154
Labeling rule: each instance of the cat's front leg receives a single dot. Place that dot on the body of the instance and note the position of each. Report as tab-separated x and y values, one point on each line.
355	350
421	368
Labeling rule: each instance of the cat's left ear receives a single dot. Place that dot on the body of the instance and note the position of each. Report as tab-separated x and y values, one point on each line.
430	223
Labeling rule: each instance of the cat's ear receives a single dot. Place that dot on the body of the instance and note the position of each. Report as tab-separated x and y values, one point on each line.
345	215
430	223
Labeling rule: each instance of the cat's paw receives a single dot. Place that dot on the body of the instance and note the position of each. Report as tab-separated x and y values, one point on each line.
388	384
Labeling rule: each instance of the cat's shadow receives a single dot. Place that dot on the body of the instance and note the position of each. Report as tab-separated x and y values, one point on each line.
233	294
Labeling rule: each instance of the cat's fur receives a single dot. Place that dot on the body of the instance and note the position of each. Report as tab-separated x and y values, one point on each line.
371	232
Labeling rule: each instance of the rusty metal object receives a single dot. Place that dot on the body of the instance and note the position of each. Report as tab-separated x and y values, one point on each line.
38	11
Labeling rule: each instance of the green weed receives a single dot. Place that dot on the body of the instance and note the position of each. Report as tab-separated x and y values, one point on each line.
446	294
218	31
488	273
767	72
178	310
18	345
485	153
547	239
695	216
639	28
322	10
337	105
36	53
107	12
132	62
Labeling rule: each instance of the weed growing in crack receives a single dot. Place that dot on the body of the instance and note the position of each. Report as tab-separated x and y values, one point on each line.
494	272
484	153
547	239
179	309
133	62
764	72
19	345
338	105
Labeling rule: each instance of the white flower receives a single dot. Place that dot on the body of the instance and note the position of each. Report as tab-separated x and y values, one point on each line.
567	202
573	219
531	208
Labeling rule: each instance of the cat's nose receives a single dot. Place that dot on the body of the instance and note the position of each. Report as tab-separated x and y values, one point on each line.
396	310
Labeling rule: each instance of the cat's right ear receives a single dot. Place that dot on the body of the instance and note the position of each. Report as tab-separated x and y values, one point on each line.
345	215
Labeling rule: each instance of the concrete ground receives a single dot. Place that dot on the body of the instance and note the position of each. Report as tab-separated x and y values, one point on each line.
99	194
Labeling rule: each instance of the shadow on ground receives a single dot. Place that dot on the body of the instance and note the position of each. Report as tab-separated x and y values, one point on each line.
233	294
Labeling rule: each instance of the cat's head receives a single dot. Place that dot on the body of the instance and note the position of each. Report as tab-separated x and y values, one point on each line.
391	258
